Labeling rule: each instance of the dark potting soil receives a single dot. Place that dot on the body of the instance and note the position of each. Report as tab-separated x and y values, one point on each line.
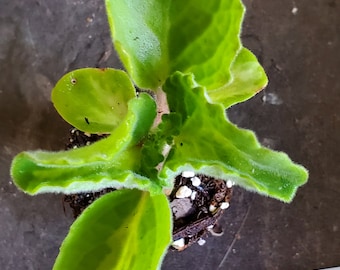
197	202
210	196
79	138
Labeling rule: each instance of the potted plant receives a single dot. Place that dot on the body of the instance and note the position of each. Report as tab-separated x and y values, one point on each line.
189	66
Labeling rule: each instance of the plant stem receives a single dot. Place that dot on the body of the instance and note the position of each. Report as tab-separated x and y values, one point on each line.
162	106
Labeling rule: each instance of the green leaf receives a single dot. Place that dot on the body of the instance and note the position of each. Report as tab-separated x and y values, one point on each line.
209	144
155	38
125	229
93	100
111	162
248	78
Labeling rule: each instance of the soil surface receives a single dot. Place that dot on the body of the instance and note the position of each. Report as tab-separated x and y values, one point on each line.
297	42
205	206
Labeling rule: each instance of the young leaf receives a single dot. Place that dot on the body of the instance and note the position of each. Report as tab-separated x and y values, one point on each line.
160	39
125	229
111	162
248	78
93	100
209	144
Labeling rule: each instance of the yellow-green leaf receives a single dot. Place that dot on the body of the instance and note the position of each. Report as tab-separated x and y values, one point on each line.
156	38
93	100
248	78
123	230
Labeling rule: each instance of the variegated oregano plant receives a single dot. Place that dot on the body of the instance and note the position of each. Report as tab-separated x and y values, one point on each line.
188	54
